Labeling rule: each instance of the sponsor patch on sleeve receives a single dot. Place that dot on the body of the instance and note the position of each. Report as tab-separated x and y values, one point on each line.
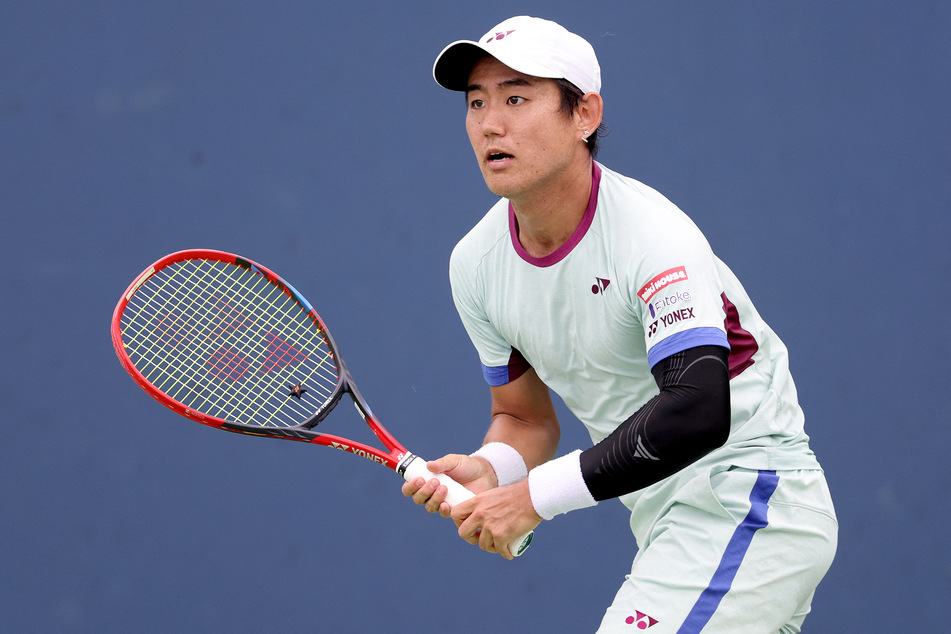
670	276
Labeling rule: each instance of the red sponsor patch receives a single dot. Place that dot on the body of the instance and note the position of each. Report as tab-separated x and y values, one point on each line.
670	276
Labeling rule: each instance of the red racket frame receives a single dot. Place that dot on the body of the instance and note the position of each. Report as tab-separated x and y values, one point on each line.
389	457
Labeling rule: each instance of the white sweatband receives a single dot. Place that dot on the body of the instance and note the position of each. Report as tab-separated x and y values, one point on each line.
508	463
558	487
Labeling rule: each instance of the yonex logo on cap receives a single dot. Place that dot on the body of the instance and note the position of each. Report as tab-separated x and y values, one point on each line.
500	35
670	276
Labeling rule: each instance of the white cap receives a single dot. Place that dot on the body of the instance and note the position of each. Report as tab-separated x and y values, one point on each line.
532	46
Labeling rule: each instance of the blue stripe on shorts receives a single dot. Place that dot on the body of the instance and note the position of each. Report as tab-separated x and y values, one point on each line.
739	544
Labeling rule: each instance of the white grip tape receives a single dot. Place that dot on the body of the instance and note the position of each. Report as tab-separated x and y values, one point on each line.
412	466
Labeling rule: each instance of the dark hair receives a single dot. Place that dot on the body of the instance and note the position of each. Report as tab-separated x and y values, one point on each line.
571	96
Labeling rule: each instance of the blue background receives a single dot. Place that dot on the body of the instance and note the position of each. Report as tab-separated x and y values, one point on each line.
809	140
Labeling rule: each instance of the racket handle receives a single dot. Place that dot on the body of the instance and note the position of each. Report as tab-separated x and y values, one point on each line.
412	466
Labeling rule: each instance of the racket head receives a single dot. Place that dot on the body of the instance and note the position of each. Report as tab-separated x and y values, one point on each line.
228	343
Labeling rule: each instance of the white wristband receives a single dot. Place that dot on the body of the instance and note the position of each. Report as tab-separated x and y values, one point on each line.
508	463
558	487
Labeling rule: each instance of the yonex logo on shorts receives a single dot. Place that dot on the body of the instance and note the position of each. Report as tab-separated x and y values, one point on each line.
642	621
670	276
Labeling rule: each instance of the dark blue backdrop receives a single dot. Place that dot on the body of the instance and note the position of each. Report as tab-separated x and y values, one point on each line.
809	140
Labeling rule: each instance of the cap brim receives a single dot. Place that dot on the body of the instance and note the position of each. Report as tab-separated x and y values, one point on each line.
454	64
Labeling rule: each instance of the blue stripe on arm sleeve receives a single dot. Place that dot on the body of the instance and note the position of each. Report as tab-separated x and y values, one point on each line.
678	342
495	376
502	374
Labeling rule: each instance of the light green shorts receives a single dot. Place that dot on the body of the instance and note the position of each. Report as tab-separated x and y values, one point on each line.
735	550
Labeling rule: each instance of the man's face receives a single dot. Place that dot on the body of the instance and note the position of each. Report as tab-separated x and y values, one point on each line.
521	138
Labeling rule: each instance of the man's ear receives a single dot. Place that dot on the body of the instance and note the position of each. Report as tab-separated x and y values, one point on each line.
589	113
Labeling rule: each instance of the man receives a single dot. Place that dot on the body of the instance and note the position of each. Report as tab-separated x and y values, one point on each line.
595	286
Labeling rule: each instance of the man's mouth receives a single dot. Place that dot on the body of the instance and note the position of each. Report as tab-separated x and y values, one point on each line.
498	156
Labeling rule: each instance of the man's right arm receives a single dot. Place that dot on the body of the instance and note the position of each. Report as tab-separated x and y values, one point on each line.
523	418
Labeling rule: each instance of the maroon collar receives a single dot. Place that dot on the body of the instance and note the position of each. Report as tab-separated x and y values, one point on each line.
561	252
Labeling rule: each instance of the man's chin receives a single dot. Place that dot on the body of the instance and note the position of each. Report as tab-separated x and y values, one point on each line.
499	186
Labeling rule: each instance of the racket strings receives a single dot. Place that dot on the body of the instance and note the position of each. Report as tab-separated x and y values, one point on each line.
172	355
227	363
232	364
227	342
178	326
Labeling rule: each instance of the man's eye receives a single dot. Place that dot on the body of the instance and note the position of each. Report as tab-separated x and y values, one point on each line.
476	103
514	101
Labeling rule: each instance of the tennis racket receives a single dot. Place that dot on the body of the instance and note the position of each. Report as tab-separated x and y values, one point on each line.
225	342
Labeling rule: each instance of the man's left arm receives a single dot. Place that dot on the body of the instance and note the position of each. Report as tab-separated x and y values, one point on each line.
688	419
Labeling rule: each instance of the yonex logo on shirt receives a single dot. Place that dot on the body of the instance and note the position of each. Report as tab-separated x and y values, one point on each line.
601	286
670	276
670	319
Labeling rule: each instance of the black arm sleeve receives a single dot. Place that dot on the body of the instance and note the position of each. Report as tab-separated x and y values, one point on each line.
687	420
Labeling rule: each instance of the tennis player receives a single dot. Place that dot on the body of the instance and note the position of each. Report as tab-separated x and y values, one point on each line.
593	285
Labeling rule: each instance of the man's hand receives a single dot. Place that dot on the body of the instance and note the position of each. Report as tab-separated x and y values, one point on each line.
494	518
473	473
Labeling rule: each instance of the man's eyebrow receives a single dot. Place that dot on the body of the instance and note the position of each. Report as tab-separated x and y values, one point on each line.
517	81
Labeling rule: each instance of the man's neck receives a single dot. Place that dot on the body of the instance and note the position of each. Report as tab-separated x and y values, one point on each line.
547	221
